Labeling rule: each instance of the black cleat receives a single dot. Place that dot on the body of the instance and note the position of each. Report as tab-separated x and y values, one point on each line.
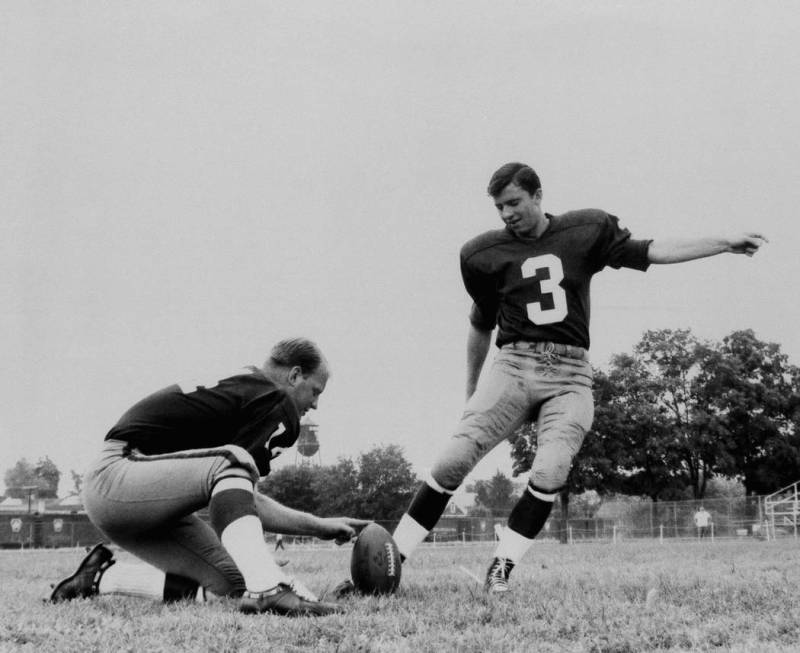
83	583
283	600
497	576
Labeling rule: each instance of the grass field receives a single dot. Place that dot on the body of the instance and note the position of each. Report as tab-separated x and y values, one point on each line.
721	596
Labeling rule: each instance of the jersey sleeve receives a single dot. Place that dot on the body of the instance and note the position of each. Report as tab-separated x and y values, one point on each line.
481	288
616	248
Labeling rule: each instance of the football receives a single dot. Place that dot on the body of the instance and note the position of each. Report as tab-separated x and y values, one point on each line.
375	561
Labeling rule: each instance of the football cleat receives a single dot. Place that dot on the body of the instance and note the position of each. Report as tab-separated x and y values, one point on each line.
84	582
283	600
497	576
343	589
302	591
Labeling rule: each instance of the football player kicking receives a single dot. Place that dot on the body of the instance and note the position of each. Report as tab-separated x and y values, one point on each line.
531	281
186	448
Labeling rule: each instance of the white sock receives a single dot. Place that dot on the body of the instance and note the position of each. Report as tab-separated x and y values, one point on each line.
408	535
133	579
512	545
243	539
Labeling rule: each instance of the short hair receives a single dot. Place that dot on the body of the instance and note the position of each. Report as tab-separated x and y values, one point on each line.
514	173
300	352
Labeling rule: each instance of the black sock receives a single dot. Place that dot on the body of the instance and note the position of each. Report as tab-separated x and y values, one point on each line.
427	506
529	515
177	588
227	506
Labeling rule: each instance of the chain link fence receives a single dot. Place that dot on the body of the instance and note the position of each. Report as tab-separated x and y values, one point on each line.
607	521
728	518
615	520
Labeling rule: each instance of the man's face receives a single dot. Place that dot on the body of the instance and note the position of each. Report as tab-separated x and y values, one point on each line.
520	210
305	390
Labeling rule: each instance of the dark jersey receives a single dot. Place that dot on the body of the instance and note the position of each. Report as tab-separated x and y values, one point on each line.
247	410
537	289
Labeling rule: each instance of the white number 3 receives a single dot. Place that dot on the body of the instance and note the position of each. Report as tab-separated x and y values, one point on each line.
547	270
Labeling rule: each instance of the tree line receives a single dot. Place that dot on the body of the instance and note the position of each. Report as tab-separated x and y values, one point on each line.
378	485
40	479
670	416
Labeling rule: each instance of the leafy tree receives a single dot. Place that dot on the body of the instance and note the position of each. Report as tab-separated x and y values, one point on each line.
44	476
336	489
48	475
630	440
19	476
293	486
378	488
727	409
586	504
755	394
677	360
496	495
386	483
721	487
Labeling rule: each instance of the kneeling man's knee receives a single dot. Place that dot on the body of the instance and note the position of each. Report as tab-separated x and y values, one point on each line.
238	464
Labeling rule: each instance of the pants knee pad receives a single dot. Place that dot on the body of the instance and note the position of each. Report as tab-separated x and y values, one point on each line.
551	470
239	463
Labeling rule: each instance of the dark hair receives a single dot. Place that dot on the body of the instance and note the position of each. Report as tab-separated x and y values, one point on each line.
297	351
514	173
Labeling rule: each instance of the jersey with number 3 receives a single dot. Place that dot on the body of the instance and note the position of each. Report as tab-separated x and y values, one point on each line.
537	289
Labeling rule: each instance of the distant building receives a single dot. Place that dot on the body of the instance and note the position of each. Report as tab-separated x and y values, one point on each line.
460	504
71	503
10	504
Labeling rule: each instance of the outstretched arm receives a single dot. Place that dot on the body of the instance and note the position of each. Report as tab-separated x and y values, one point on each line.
478	343
678	250
277	518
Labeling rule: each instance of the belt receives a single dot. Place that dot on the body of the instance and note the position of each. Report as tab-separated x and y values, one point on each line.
570	351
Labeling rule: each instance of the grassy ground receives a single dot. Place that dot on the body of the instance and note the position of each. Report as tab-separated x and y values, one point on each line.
703	596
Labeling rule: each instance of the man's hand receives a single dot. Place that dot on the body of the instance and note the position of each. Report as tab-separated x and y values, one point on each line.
748	243
341	529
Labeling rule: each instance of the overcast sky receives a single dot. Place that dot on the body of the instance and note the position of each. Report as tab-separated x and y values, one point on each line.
184	183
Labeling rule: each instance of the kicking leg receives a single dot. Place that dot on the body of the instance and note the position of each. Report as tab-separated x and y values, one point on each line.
424	512
497	409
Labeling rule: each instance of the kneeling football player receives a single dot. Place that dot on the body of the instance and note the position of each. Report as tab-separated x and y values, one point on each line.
184	448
